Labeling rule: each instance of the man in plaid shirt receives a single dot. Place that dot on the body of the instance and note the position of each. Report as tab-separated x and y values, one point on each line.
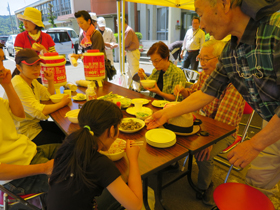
250	61
228	108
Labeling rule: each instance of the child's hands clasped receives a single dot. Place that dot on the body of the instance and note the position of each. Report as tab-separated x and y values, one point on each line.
132	152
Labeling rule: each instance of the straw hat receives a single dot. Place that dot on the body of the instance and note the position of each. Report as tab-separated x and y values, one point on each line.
182	125
33	15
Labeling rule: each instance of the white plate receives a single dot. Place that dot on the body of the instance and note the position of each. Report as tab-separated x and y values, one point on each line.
196	128
144	100
160	137
159	103
135	120
78	99
131	110
170	144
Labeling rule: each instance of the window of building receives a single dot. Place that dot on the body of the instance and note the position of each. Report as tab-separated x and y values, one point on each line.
162	23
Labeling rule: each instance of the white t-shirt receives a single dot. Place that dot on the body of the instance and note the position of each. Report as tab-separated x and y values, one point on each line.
30	99
108	36
193	39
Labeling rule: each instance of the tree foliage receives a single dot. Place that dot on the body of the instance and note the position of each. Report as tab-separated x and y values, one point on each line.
21	28
6	26
51	16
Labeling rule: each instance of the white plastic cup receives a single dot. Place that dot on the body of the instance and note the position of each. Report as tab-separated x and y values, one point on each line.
68	92
138	106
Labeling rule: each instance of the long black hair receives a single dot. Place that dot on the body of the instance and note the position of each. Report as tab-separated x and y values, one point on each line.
74	156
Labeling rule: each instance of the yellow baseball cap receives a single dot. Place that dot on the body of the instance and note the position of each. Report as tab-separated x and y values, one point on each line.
33	15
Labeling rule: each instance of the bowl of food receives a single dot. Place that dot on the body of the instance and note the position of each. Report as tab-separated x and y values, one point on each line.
148	83
73	115
56	98
142	115
116	150
131	125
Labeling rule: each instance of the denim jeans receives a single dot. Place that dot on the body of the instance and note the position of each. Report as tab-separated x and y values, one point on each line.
37	183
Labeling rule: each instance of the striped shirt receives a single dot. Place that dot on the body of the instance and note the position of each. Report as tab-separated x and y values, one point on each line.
252	66
228	108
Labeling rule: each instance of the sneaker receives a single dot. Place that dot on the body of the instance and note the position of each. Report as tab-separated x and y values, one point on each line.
207	197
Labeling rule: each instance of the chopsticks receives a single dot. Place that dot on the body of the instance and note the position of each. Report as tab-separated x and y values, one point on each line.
180	84
145	76
136	143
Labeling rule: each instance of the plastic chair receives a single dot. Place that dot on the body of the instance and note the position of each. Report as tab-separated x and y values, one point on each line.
223	160
191	75
8	199
233	196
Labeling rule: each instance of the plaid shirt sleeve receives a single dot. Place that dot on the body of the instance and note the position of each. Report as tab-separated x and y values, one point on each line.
217	81
231	107
198	85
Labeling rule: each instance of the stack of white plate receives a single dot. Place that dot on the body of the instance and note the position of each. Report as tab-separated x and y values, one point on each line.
160	137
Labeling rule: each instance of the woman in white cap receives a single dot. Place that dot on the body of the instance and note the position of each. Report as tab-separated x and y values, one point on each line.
109	38
33	37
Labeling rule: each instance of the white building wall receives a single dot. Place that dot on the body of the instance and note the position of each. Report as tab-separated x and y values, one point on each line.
173	31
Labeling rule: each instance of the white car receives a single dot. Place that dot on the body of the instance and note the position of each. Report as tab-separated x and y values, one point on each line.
73	35
10	44
63	43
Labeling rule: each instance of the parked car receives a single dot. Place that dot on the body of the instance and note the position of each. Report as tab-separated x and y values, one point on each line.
3	39
10	44
63	43
73	35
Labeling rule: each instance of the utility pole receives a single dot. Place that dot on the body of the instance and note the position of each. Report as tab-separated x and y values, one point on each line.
8	8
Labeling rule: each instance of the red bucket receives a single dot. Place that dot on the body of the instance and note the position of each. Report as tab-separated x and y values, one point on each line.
94	65
56	64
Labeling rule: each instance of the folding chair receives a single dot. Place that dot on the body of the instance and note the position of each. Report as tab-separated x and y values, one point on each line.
191	75
8	199
223	160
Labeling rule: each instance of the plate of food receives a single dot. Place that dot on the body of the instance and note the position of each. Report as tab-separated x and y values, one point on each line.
125	102
79	97
159	103
116	150
131	125
137	100
132	111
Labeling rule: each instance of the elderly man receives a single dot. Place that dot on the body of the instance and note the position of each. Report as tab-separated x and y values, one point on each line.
250	62
109	38
192	43
228	108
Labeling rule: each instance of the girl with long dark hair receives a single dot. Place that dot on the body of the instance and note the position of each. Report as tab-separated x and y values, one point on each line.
81	173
